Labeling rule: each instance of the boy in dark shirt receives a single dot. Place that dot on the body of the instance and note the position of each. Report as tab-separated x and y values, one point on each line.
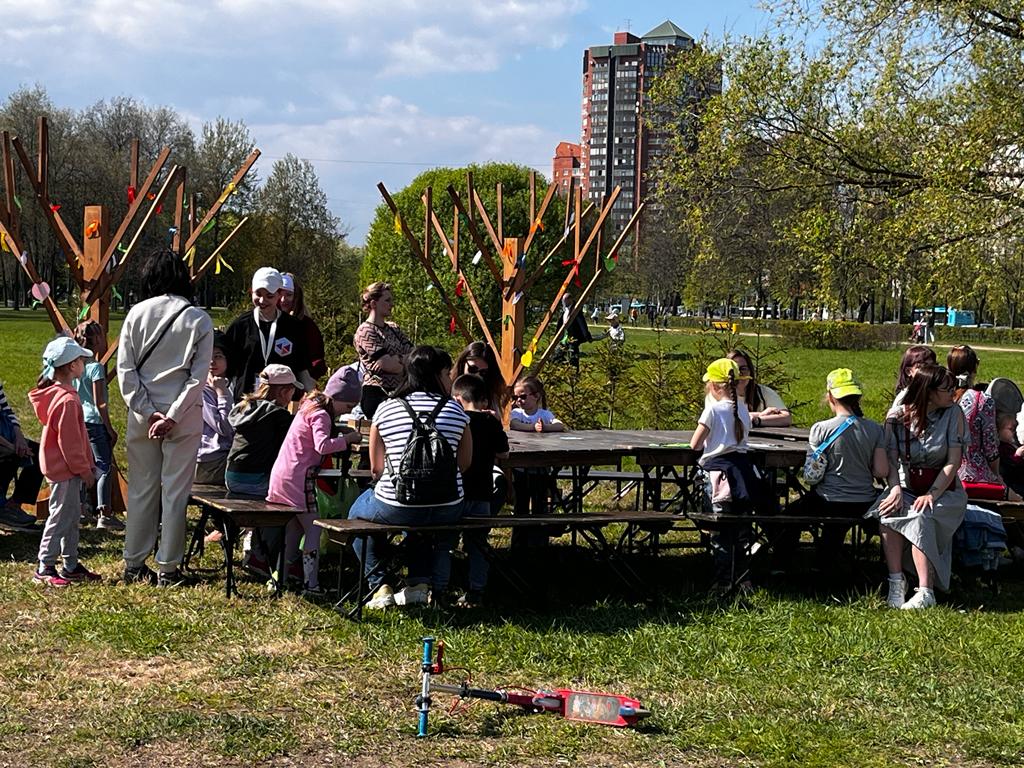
266	336
489	443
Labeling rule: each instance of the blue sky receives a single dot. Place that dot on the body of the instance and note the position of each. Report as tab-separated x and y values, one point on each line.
368	90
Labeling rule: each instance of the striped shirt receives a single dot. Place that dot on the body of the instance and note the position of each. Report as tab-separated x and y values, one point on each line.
394	425
6	411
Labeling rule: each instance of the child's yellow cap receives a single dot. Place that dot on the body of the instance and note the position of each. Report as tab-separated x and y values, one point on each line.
722	370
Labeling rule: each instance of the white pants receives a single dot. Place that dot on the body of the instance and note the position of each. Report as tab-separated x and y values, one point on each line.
160	474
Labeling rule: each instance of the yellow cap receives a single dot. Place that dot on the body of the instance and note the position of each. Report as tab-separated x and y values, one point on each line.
840	383
718	371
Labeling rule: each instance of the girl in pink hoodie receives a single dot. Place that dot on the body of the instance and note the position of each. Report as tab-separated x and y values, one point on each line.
65	458
293	478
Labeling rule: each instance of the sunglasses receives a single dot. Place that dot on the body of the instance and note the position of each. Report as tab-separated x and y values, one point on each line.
523	397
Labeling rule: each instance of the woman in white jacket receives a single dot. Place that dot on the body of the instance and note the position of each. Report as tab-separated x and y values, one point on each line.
162	362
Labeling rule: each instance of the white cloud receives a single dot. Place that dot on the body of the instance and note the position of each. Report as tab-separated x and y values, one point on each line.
392	140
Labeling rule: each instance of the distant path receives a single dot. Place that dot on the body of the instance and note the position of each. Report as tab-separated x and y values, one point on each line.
648	329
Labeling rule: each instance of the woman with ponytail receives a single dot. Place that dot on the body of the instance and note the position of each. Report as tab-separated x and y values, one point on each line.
981	455
733	485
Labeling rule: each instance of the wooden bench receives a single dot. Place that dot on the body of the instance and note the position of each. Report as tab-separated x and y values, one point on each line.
230	514
763	525
1011	511
590	527
585	481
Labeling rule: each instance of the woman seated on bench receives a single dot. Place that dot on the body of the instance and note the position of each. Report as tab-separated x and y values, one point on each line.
764	404
925	503
418	481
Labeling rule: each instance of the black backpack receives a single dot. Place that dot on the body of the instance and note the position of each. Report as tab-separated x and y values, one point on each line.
427	472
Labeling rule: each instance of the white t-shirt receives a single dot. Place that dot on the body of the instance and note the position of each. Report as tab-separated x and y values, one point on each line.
394	425
718	418
617	334
541	414
770	396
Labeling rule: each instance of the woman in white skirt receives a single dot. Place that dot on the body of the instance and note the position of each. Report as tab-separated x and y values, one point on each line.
925	502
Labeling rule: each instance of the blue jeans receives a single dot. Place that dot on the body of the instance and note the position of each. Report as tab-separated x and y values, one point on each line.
428	554
475	543
247	483
102	452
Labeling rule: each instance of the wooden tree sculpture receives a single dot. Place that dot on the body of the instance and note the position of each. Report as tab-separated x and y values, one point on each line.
506	260
100	261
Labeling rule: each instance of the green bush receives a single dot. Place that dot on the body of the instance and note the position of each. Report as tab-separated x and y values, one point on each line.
837	335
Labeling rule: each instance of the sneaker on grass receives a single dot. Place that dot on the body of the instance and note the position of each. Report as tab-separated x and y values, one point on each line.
897	592
473	598
173	578
923	598
49	577
383	598
109	523
418	594
139	574
79	574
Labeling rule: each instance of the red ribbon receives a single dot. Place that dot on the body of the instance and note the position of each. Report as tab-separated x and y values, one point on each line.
460	286
575	271
451	325
131	195
54	207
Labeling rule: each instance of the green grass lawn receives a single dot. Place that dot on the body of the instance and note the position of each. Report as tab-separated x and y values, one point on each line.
797	674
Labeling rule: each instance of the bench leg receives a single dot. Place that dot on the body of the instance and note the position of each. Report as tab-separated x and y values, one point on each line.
195	547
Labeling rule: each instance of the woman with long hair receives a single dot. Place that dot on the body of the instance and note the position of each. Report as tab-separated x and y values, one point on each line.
381	346
415	495
162	362
981	455
478	358
925	502
764	404
913	358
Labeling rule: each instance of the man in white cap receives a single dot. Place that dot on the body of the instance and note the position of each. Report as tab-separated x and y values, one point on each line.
267	335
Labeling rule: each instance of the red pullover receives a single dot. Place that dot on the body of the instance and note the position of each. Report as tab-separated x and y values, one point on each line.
64	450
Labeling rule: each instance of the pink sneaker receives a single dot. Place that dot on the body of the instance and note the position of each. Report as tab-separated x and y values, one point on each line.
49	577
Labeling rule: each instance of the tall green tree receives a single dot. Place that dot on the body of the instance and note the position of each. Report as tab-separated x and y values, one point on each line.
418	308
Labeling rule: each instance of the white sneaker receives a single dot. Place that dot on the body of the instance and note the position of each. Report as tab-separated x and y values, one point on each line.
897	592
415	595
923	598
109	523
383	598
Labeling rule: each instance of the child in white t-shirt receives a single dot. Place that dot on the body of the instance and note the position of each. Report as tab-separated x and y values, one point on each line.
532	486
733	486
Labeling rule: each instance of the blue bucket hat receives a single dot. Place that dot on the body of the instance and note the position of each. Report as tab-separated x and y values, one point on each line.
61	351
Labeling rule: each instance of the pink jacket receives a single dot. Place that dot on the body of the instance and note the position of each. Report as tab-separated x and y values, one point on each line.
64	450
307	442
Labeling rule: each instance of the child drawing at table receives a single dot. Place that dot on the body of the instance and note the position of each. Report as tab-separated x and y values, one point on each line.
293	479
533	485
732	483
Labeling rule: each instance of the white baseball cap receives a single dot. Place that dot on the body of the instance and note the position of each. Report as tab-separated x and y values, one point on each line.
267	278
275	373
287	282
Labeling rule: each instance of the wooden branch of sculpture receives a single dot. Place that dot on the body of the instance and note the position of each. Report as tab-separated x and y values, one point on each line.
424	261
224	195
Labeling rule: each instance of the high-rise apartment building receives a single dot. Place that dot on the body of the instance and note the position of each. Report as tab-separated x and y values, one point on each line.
617	148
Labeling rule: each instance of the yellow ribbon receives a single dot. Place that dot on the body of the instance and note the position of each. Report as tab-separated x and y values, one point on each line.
398	224
228	191
538	224
220	261
190	256
527	359
3	242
